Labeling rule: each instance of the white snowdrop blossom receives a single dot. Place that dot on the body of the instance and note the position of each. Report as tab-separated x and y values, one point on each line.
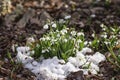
90	42
104	36
93	35
86	50
79	41
73	33
47	38
102	25
106	42
65	40
80	33
30	40
86	42
112	36
54	25
68	17
43	39
45	26
93	16
103	29
66	6
61	21
58	35
45	50
63	32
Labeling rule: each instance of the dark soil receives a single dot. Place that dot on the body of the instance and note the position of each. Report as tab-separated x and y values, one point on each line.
28	17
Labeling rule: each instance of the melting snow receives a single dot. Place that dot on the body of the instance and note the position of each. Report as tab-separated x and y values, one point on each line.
56	69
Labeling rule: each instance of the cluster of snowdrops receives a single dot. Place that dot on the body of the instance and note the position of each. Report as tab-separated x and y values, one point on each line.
63	50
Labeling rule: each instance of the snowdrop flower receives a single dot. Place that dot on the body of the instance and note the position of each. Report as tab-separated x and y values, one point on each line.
85	50
117	43
30	40
90	42
112	36
103	29
104	36
14	47
61	21
58	35
54	25
43	39
79	41
45	26
63	31
93	16
65	40
93	35
66	6
102	25
73	39
86	42
106	42
80	33
47	38
73	33
68	17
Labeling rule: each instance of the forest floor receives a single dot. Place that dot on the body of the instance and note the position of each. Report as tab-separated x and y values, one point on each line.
28	18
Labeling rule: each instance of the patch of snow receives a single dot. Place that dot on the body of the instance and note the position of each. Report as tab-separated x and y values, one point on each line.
58	69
